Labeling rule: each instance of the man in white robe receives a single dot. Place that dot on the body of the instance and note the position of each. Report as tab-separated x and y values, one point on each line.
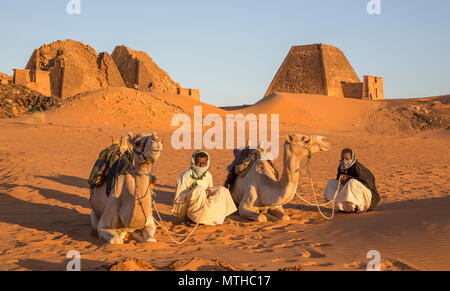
357	191
196	199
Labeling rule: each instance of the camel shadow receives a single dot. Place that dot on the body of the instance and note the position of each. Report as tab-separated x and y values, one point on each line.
48	218
68	180
55	194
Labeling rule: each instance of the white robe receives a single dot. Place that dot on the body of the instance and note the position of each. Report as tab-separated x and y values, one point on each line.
203	203
352	196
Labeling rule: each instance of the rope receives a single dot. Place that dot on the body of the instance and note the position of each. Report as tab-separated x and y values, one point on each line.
163	225
169	233
315	196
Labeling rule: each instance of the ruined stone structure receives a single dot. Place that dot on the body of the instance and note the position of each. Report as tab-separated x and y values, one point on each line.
139	71
5	79
35	80
74	68
193	93
323	70
373	88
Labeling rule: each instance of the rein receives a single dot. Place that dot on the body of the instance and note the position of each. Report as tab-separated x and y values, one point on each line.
308	163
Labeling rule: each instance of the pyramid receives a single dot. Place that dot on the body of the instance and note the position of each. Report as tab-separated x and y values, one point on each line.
75	68
314	69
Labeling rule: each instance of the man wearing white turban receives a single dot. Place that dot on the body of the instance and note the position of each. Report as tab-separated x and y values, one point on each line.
358	191
196	199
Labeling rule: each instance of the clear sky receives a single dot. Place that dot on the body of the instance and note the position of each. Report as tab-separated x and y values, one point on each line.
231	50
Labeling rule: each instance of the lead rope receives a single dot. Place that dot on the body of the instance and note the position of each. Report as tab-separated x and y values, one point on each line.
314	192
163	225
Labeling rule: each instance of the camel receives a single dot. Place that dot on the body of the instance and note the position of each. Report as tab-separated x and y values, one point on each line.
260	195
128	208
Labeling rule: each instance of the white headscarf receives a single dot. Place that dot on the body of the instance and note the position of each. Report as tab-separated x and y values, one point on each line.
347	164
199	171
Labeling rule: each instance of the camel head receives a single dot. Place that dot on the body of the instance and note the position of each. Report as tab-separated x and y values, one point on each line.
298	144
146	147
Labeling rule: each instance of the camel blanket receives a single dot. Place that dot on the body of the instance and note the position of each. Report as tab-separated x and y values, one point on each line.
353	196
200	201
243	161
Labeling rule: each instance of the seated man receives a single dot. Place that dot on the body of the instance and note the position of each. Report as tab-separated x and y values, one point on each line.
196	199
357	191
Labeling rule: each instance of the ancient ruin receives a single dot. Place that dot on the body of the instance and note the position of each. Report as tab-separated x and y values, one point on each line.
35	80
139	71
323	70
5	79
74	68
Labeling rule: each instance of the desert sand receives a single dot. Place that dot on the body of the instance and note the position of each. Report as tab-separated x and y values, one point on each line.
44	195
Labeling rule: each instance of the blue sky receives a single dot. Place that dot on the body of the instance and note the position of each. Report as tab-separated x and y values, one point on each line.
232	49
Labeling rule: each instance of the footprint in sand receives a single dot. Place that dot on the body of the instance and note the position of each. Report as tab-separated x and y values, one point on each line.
295	231
247	247
387	265
396	265
296	240
311	253
260	251
212	237
317	264
320	244
284	260
281	246
239	237
258	248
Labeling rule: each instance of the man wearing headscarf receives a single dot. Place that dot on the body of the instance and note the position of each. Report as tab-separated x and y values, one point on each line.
196	199
358	191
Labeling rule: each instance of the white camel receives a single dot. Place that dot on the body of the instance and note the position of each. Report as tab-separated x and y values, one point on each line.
128	208
260	195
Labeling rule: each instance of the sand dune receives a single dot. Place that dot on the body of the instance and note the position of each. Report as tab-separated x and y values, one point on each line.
44	207
316	111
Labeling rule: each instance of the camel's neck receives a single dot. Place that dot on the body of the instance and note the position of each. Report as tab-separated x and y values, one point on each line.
283	191
139	198
142	179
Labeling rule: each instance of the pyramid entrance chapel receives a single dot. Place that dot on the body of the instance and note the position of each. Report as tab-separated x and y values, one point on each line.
323	70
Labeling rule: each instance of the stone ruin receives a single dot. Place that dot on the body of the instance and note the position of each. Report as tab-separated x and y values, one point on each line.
66	68
323	70
38	81
5	79
139	71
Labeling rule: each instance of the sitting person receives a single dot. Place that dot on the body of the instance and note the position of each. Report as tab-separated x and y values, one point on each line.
196	200
357	191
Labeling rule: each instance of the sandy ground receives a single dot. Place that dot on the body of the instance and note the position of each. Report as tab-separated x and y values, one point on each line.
44	196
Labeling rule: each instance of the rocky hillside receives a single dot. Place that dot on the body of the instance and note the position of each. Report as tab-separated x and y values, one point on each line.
17	100
410	115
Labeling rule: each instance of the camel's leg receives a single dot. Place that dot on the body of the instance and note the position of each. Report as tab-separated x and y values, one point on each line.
246	208
271	217
278	212
94	219
109	226
146	234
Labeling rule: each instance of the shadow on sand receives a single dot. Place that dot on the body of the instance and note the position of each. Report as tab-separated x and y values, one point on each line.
68	180
48	218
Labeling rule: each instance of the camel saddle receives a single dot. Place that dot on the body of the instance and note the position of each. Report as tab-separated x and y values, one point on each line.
243	161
